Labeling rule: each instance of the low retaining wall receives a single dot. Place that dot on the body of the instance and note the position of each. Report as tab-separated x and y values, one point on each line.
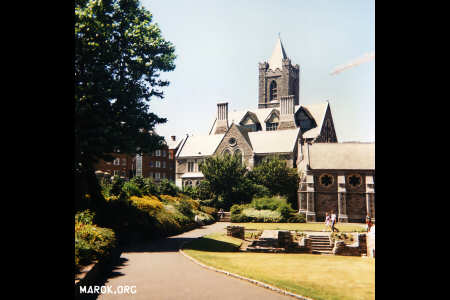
236	231
356	249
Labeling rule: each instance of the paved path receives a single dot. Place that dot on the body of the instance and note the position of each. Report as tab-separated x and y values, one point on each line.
160	272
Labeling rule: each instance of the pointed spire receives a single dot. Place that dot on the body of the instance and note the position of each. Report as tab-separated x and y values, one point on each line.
278	54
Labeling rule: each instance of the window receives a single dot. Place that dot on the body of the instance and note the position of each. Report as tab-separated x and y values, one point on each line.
232	141
238	152
152	164
163	175
116	172
116	161
326	180
158	164
157	175
164	164
164	153
354	180
150	175
226	152
273	90
271	126
190	166
251	127
158	152
124	161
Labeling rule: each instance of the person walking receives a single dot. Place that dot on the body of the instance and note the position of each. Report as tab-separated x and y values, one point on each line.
333	221
220	213
327	222
368	222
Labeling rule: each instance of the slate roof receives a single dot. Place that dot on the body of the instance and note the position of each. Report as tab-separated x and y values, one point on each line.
199	145
173	144
277	141
317	111
342	156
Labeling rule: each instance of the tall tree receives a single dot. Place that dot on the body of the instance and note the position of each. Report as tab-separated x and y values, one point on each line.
277	177
119	54
226	177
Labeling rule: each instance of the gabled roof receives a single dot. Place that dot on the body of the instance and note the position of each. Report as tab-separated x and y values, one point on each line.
318	112
174	144
342	156
278	54
200	145
277	141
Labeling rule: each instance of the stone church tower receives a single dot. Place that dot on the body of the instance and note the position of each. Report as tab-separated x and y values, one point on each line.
278	78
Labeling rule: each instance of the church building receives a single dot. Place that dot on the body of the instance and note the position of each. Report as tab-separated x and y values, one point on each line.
333	176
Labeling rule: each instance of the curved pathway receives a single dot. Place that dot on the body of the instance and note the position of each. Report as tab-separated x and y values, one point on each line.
160	272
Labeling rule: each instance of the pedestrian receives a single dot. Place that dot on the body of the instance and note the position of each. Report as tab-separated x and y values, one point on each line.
327	222
333	221
368	222
220	213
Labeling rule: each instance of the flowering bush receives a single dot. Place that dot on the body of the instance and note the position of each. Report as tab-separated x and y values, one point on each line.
169	199
149	204
91	242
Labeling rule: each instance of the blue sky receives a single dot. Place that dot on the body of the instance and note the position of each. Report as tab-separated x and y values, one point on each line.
219	44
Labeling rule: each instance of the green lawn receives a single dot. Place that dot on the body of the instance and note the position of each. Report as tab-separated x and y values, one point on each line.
314	276
347	227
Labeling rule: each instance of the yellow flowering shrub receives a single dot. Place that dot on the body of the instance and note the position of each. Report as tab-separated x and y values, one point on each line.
169	199
147	203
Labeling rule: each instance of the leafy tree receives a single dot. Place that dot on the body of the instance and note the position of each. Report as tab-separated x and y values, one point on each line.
226	177
119	54
277	177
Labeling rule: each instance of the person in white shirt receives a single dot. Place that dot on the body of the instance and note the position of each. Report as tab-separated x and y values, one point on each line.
327	222
333	221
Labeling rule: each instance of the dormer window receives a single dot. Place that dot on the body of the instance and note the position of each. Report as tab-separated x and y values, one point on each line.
273	90
271	126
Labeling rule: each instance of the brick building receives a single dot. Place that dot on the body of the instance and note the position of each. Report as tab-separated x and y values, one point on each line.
333	176
159	164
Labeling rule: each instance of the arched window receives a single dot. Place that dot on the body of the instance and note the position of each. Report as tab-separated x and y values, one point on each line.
273	90
226	152
238	152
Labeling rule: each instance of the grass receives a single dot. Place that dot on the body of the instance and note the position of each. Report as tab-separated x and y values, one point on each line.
314	276
343	227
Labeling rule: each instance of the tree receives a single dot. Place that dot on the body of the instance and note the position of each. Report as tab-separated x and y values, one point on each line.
119	54
277	177
226	178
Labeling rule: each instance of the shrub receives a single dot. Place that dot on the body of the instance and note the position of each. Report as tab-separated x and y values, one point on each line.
140	182
116	188
131	189
265	215
297	218
169	199
185	208
236	209
271	203
285	211
92	243
168	188
149	204
84	217
150	187
260	191
207	209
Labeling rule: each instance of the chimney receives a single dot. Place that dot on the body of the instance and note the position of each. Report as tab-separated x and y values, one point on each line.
287	109
222	118
173	137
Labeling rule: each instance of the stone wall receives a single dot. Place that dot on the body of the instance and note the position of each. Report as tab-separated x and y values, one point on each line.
241	144
356	249
236	231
